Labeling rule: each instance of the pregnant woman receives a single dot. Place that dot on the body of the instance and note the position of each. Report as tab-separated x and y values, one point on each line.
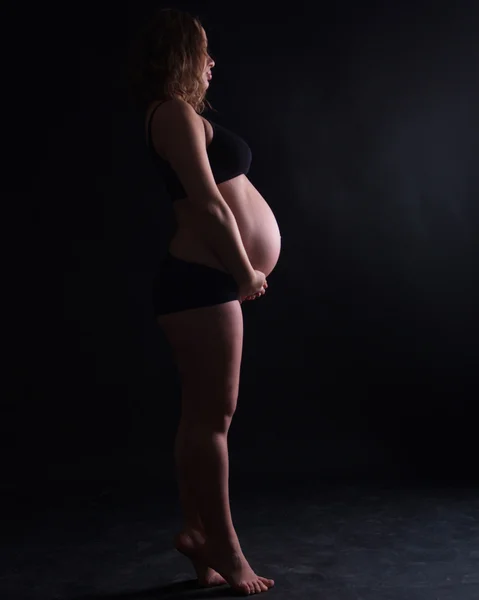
226	243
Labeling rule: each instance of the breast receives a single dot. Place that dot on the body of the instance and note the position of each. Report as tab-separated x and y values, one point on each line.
228	153
256	223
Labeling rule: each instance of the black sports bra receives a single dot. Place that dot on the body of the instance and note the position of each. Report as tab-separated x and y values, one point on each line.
229	156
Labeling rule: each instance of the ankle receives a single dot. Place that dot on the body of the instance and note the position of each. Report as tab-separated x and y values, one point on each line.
227	542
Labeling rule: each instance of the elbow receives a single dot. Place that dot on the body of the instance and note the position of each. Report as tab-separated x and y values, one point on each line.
210	204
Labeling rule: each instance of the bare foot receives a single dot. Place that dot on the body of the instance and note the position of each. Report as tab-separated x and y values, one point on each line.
232	564
189	543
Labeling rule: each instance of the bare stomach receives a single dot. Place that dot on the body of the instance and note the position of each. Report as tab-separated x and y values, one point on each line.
256	223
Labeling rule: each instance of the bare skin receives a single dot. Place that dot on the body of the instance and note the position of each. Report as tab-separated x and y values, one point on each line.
232	563
202	460
239	574
189	543
207	345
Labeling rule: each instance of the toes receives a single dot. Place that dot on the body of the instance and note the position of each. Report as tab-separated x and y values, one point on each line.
262	586
267	582
245	587
257	587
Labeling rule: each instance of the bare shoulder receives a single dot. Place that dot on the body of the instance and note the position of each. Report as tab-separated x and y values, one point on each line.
175	111
179	137
172	120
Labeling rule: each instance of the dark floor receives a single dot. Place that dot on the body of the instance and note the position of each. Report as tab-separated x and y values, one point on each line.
322	541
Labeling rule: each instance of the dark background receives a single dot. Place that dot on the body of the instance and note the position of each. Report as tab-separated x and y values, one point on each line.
362	357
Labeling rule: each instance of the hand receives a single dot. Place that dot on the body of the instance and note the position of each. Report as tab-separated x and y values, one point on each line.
249	298
261	281
253	286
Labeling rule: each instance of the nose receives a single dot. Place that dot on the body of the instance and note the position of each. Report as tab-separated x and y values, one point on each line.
211	63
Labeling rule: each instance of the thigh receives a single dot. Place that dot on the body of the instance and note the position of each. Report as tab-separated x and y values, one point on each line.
207	345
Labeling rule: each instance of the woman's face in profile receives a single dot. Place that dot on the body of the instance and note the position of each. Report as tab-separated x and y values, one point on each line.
209	62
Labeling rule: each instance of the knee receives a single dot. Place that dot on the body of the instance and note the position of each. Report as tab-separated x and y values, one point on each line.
218	420
214	412
228	405
208	425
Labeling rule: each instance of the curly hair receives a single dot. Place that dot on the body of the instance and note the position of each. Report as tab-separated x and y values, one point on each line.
166	58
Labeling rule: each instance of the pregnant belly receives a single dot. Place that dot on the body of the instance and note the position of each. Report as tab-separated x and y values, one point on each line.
256	223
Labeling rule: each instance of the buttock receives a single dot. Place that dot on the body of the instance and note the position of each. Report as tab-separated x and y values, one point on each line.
182	285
